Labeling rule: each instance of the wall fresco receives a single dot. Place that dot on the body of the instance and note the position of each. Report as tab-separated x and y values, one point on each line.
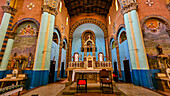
24	46
154	33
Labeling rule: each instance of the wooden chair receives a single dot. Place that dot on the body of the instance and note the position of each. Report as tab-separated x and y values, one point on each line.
105	79
81	82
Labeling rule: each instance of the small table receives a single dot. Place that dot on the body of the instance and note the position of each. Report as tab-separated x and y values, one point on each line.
10	80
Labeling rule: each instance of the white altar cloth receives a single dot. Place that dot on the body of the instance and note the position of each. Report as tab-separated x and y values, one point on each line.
84	71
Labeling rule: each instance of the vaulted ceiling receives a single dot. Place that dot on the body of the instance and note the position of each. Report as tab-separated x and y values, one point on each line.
76	7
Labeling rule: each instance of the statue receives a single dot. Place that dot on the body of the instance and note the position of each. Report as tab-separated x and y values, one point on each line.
159	48
29	60
13	60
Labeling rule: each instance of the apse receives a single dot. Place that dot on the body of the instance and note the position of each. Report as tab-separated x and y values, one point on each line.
99	40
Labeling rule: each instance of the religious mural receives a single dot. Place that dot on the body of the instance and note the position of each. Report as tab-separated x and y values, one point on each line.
24	46
156	40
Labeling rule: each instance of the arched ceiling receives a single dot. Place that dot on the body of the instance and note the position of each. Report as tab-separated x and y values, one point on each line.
76	7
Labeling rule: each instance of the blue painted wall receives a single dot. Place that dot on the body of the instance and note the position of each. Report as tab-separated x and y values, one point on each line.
55	52
100	42
124	53
113	53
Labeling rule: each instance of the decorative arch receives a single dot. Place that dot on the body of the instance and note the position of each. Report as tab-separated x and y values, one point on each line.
24	20
76	58
84	38
162	19
100	57
122	37
112	38
58	29
64	43
166	21
88	20
119	28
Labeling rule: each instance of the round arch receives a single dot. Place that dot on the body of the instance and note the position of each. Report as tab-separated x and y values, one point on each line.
58	29
88	20
25	20
119	28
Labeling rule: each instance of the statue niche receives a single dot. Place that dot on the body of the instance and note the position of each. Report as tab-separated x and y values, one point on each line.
90	37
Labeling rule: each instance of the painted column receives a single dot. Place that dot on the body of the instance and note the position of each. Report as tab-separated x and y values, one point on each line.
47	49
40	42
132	44
139	41
136	47
43	50
7	53
143	61
59	59
5	21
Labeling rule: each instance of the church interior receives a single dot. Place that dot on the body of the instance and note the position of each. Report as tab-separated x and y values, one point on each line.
85	47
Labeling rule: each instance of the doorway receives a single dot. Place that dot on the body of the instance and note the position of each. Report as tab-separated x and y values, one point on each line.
127	71
52	72
62	69
115	68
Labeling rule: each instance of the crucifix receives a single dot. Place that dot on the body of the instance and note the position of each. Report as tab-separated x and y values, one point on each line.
149	2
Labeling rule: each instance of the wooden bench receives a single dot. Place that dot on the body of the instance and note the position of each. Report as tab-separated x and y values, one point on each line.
163	81
20	78
6	91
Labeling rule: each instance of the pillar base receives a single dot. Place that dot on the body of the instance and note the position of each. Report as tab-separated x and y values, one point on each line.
39	78
142	78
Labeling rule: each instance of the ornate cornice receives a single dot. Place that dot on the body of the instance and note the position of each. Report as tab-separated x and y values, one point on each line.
11	35
168	6
9	10
49	9
130	7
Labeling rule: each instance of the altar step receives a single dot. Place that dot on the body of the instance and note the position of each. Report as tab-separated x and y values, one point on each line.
91	88
72	92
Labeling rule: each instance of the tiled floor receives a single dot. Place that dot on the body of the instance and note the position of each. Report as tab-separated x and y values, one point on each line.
128	89
49	90
132	90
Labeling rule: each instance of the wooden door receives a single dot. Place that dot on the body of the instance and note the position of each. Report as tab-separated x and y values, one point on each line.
52	72
127	71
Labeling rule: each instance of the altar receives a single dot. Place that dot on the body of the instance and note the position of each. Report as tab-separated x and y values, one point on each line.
89	68
89	74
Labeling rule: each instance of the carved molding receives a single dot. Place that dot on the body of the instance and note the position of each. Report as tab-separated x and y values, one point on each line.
168	6
130	7
9	10
11	35
49	9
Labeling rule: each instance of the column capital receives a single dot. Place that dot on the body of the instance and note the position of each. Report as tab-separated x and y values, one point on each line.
11	35
49	9
9	10
130	7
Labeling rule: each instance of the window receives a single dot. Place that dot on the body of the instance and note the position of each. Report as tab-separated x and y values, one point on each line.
60	6
76	57
113	45
100	57
67	21
122	37
109	20
116	5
